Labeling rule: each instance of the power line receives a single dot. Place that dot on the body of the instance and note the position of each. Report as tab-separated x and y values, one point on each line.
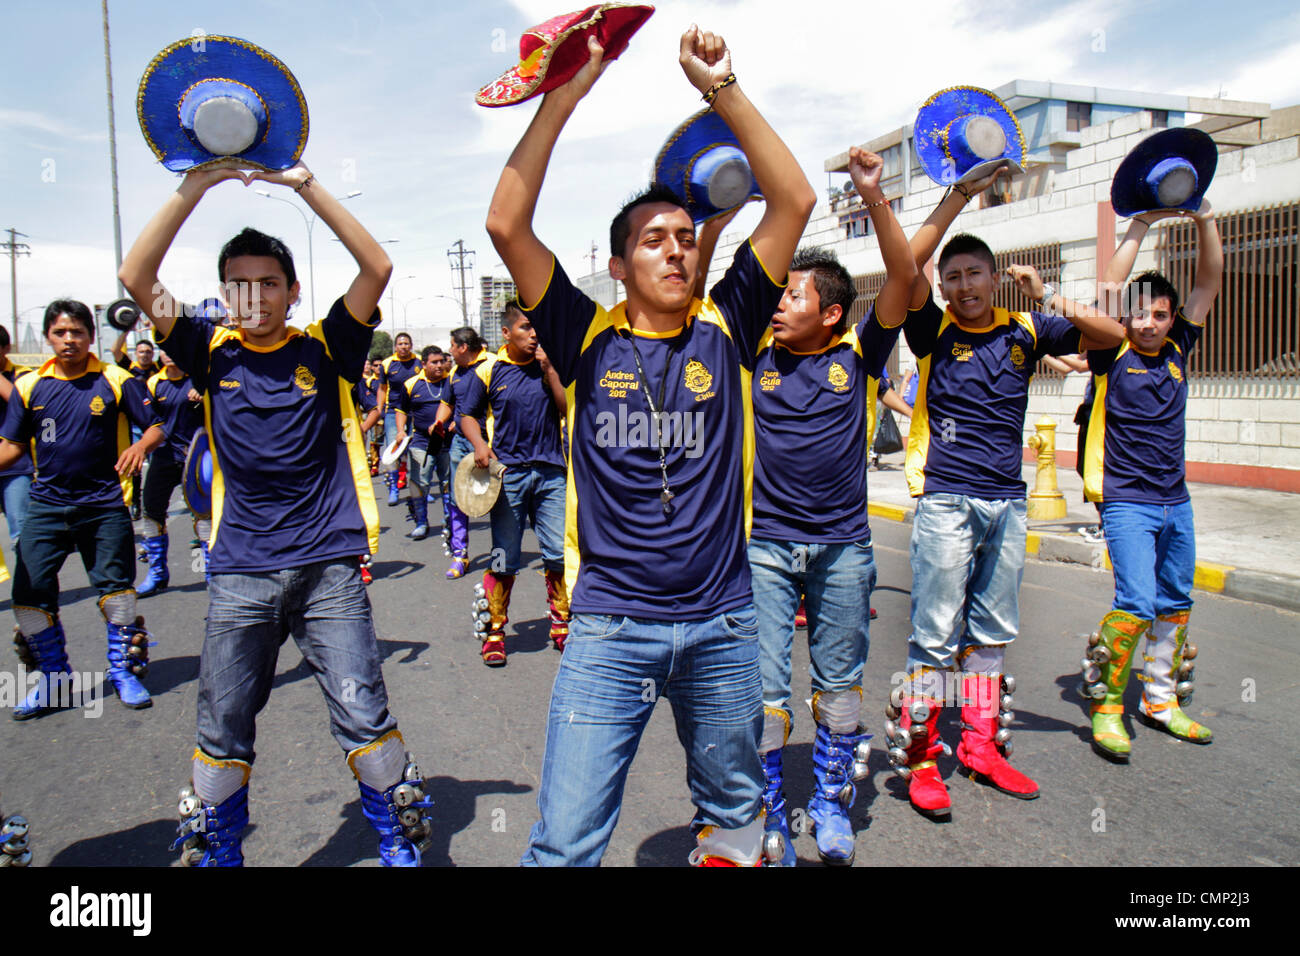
14	248
459	253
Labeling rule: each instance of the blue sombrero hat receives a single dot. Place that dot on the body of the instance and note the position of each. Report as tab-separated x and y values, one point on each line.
965	133
702	162
212	100
1171	169
196	476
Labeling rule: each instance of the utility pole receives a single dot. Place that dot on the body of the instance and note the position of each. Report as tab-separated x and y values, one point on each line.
594	251
458	253
15	249
112	153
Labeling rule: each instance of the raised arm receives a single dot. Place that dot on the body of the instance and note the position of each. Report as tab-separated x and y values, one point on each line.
510	215
119	346
1209	266
925	243
373	265
706	241
1099	331
891	304
139	271
788	196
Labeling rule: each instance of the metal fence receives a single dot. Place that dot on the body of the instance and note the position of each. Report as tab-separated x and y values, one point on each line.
1254	325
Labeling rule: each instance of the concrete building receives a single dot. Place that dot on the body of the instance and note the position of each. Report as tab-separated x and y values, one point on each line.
494	293
1243	423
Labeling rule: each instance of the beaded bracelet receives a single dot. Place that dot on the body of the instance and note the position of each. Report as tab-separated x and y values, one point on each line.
717	88
305	183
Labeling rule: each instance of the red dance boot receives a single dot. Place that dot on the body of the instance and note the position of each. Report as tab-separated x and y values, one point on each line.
801	616
366	576
986	718
401	474
557	599
490	613
914	745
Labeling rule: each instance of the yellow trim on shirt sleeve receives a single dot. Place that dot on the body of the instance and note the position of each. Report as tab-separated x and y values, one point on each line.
540	298
762	265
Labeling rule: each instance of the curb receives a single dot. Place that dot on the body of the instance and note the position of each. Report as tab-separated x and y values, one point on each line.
1259	587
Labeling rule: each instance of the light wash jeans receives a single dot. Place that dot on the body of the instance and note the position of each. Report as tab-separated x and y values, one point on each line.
836	581
325	608
529	493
968	556
1153	552
613	671
16	491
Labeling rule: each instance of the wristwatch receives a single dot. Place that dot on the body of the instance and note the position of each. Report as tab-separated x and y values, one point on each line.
1048	292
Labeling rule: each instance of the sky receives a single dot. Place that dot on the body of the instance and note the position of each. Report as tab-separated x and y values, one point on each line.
390	90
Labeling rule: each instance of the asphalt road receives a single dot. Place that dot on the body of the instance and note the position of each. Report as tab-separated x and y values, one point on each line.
100	790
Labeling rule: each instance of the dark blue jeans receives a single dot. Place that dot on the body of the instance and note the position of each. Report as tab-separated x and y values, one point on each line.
102	536
325	608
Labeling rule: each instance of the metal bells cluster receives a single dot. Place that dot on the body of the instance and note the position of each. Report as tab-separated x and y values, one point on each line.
136	644
446	537
1186	674
416	823
479	612
14	847
193	819
24	652
1005	716
1095	656
900	738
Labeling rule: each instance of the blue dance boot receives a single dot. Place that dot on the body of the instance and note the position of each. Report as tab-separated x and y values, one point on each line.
46	651
778	848
390	478
838	760
419	509
128	648
212	835
158	577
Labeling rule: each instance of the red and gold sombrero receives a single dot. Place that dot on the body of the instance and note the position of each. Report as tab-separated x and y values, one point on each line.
552	53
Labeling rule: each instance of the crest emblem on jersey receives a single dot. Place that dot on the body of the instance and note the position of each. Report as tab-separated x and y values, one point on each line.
304	379
837	376
698	378
1175	371
96	406
1017	356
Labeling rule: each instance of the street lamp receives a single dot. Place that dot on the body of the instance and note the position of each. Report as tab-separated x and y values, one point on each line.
459	304
310	223
407	305
392	286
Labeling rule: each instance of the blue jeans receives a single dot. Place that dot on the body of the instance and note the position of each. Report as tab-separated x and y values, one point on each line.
968	556
529	493
612	672
836	580
324	606
102	536
15	490
424	468
1153	552
460	447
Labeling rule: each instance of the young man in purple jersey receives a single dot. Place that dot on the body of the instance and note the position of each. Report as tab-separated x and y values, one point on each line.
963	466
660	458
1135	472
293	505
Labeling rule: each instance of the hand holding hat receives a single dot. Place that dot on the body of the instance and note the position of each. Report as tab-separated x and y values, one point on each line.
1170	169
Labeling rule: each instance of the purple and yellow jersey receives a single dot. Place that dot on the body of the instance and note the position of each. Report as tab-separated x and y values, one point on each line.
419	399
523	424
458	399
77	429
813	412
623	555
968	420
290	484
181	417
394	371
23	466
142	372
1136	434
367	393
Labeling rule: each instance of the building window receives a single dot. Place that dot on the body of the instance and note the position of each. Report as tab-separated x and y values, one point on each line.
1159	119
1077	116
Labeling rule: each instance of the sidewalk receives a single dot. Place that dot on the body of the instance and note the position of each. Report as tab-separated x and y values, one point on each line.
1247	540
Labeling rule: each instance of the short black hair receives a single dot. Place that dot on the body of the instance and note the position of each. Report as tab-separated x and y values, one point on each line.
250	242
515	309
430	350
620	230
403	335
964	244
467	335
832	281
73	310
1154	285
4	337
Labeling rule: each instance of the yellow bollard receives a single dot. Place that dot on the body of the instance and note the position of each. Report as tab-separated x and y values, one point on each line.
1046	503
